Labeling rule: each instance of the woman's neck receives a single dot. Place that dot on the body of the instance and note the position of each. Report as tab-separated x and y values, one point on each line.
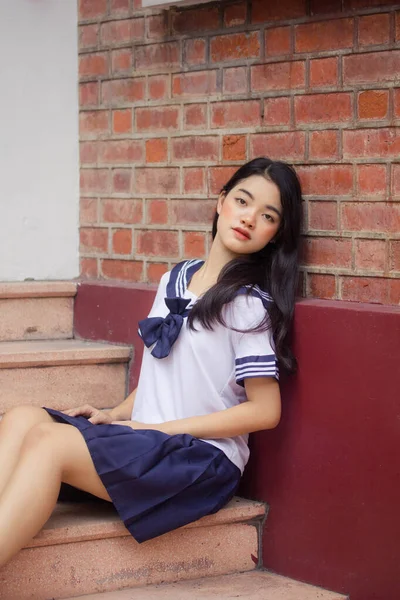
208	274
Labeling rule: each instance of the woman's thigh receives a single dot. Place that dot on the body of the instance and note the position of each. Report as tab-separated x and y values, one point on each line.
17	421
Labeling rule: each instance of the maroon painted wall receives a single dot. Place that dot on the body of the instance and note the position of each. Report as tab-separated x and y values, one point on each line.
330	471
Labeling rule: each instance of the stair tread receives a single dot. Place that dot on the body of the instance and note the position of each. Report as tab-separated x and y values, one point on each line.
37	289
253	585
57	352
73	522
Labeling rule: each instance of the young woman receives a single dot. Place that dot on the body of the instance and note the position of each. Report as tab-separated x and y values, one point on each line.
175	449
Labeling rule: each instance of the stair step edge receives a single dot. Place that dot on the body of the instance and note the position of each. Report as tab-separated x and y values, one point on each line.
37	289
82	522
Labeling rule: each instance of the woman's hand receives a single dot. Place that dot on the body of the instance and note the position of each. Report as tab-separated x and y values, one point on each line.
94	415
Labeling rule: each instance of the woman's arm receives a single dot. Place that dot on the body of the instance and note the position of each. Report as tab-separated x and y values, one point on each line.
262	411
123	411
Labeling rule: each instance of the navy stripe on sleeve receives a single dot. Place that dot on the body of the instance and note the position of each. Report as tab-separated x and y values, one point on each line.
256	366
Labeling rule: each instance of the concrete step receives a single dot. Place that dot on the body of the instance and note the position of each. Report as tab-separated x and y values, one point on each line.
62	373
256	585
85	549
36	310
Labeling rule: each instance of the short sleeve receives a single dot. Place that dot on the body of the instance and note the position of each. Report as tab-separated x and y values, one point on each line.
254	351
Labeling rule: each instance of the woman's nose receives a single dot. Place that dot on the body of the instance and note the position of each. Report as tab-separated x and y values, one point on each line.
248	220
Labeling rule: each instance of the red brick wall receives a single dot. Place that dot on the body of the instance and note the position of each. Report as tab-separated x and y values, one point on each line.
172	101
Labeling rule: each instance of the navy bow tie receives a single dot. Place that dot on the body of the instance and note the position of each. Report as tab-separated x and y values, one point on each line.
163	332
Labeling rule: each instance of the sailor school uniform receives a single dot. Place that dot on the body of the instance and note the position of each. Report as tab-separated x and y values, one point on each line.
159	482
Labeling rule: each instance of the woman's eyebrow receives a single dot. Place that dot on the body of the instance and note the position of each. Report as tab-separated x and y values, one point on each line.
266	206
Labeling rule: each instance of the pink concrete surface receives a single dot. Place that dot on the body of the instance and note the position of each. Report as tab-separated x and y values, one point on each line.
79	522
36	318
103	386
49	353
256	585
37	289
107	564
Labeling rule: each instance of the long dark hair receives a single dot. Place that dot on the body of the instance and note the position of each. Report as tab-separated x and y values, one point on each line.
274	268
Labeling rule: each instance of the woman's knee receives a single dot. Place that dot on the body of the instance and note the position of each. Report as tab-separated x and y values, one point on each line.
24	416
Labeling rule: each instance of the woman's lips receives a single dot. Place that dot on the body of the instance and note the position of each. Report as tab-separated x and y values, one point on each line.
241	233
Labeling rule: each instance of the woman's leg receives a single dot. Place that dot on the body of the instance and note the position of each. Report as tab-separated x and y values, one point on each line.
50	454
14	426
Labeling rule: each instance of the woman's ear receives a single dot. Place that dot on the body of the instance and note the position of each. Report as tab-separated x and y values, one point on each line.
220	202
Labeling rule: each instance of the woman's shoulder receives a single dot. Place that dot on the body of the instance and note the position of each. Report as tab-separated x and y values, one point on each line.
248	308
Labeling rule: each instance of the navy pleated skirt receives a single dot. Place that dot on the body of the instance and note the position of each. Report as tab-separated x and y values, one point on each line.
157	482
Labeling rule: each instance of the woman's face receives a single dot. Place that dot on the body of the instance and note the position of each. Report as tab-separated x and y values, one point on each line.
249	215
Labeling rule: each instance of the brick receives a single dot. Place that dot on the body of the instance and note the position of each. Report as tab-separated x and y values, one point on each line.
155	271
271	11
374	67
122	241
88	268
279	146
370	254
199	83
122	121
156	118
235	114
324	144
326	180
195	51
373	104
125	31
88	211
325	35
121	91
365	289
196	19
234	147
126	270
121	60
395	255
323	72
129	212
235	14
88	152
218	177
93	122
278	76
396	102
88	36
157	150
373	29
195	116
322	216
157	26
371	180
235	46
157	243
93	65
93	239
157	212
371	216
119	7
235	80
120	151
92	9
194	244
396	180
157	180
192	148
323	108
158	87
328	6
371	143
192	212
88	93
156	56
328	252
277	111
394	291
278	41
356	4
397	26
321	286
94	180
194	180
121	181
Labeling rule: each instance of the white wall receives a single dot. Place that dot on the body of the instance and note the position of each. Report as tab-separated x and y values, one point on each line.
39	163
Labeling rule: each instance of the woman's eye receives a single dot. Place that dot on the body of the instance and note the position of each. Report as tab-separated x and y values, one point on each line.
269	218
241	201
